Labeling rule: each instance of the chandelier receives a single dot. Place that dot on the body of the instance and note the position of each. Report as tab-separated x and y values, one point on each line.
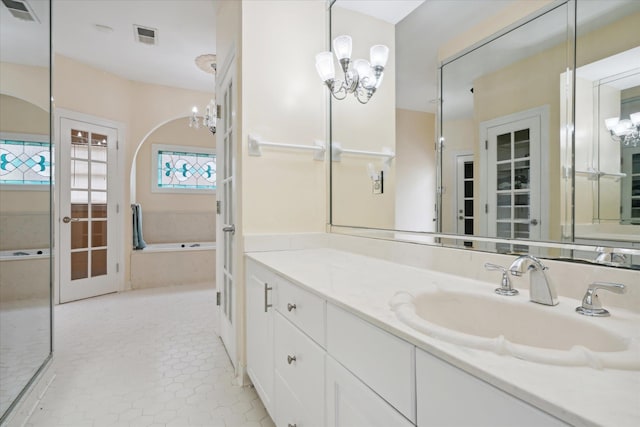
625	131
208	120
363	79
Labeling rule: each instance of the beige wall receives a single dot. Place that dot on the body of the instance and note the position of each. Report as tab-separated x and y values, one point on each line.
368	127
27	82
415	170
140	107
284	101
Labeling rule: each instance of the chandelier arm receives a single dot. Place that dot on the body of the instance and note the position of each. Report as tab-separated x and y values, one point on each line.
339	92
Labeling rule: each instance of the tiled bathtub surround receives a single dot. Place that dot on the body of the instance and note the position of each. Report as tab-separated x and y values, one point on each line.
173	264
144	358
163	227
24	230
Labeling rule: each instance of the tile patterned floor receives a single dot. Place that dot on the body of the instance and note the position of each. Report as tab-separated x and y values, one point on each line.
144	358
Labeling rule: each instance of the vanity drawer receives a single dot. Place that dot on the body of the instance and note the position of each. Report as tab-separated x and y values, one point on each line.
382	361
289	411
303	309
299	362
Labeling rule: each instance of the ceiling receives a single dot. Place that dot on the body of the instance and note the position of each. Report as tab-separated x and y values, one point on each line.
185	30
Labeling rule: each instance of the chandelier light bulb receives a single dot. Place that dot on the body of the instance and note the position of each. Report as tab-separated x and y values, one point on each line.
362	67
194	110
342	47
623	127
324	66
379	54
611	123
635	118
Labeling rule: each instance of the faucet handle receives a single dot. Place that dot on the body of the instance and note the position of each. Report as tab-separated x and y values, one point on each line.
591	305
505	286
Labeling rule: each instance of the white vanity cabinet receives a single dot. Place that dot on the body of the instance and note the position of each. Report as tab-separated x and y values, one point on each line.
379	359
285	354
350	403
448	396
261	285
314	363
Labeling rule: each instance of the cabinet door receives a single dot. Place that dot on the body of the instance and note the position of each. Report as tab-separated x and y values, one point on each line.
350	403
448	396
299	363
260	367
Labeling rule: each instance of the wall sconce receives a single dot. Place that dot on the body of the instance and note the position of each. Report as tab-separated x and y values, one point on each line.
362	80
625	131
209	120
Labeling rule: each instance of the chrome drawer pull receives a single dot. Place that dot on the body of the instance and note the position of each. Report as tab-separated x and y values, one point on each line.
291	307
292	425
291	359
267	288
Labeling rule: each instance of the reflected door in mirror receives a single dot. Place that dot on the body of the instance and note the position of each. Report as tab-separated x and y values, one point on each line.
513	175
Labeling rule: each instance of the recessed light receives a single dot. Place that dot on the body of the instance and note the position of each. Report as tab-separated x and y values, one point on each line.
103	28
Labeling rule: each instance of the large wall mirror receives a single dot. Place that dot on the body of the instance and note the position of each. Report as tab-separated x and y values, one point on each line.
481	142
25	202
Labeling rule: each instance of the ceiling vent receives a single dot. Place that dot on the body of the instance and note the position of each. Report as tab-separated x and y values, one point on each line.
145	35
20	9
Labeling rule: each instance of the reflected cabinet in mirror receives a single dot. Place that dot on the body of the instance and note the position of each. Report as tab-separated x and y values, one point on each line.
480	130
25	203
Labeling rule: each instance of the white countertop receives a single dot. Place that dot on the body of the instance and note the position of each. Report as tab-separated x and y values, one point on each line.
364	286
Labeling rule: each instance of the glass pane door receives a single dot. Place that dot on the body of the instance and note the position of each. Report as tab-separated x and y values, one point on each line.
88	218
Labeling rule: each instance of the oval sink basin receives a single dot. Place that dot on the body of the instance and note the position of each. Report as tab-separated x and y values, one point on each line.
516	327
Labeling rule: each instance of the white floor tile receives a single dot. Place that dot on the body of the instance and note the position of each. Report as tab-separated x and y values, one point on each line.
145	358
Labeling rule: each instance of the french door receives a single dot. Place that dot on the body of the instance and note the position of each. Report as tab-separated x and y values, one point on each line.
514	193
87	206
225	236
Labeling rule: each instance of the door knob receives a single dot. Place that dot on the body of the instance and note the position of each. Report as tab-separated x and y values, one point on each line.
534	222
229	229
67	219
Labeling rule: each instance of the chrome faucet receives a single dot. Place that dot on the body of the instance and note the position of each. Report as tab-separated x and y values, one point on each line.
608	257
540	288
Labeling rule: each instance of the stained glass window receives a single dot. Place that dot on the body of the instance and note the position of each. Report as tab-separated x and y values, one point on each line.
186	170
24	162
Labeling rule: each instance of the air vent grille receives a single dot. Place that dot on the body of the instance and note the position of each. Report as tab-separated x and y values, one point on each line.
21	10
145	35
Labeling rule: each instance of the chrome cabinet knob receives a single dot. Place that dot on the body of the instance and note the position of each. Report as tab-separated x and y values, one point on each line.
291	307
291	359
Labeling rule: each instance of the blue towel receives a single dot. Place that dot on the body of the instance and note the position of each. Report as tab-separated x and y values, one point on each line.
138	241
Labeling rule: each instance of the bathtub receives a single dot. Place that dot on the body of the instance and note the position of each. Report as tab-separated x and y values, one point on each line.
169	264
24	274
